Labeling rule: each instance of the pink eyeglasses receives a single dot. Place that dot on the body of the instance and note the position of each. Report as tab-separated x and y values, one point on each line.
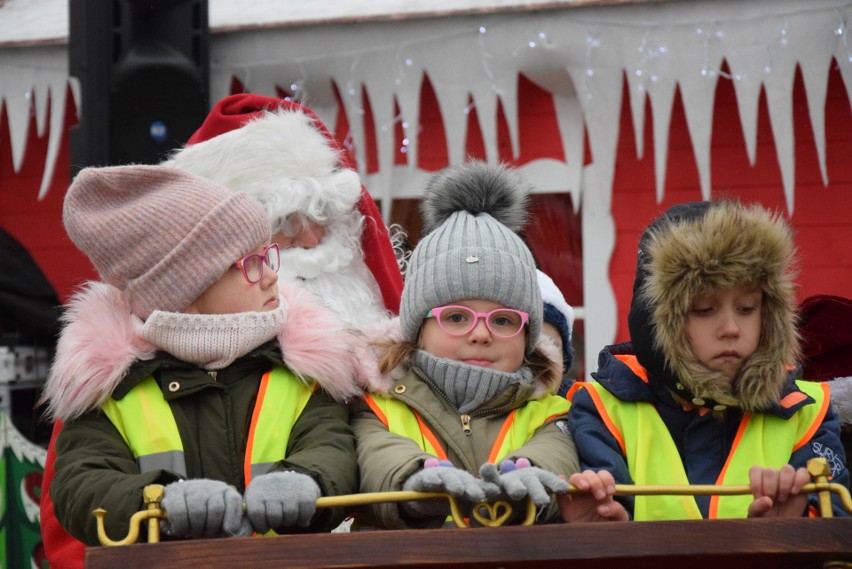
459	320
252	265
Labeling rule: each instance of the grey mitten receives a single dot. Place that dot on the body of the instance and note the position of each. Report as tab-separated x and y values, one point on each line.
519	480
281	499
442	477
203	508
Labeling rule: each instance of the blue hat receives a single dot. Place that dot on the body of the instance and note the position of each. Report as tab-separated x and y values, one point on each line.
558	313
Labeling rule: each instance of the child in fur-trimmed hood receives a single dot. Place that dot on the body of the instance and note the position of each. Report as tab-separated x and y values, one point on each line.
709	374
188	366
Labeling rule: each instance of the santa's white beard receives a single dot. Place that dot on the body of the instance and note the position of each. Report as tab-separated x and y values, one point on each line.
335	272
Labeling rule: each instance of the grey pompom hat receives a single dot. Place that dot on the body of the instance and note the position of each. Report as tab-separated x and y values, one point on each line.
469	251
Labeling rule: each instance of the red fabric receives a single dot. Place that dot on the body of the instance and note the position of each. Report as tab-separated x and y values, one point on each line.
234	111
826	337
62	550
379	254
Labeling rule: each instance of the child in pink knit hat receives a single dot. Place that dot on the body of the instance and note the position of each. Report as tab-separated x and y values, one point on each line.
186	366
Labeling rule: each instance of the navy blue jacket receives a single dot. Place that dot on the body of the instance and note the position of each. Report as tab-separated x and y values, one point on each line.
703	442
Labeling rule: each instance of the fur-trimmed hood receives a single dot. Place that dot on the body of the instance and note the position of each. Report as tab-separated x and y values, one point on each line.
691	249
101	340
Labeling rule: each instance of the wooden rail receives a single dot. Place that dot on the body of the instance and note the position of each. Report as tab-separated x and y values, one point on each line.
799	543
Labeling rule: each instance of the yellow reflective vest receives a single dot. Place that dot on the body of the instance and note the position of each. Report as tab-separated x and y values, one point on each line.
147	425
517	429
652	456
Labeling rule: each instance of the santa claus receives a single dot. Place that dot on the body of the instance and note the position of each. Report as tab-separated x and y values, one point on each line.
333	241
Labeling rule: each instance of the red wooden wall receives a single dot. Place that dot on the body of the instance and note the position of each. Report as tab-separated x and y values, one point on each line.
822	216
37	224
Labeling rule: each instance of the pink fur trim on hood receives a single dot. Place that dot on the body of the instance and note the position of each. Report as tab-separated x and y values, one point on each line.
317	344
101	340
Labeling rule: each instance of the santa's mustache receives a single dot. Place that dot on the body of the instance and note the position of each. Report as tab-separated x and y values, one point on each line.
339	246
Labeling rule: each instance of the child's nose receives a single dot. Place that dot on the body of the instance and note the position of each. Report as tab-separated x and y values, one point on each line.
480	332
729	325
269	277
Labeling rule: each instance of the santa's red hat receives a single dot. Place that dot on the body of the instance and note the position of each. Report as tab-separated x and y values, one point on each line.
235	146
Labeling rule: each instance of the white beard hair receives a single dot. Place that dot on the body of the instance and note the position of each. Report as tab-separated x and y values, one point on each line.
335	272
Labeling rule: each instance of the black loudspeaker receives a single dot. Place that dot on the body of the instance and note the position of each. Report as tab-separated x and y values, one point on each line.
143	70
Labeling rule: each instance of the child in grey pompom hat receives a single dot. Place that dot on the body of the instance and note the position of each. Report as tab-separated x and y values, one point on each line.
472	254
475	414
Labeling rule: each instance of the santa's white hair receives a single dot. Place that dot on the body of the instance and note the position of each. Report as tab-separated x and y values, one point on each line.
289	166
282	160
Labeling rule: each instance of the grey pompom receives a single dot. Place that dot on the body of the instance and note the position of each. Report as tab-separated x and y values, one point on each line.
476	187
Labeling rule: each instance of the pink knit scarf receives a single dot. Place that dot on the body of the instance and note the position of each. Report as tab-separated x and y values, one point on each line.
212	341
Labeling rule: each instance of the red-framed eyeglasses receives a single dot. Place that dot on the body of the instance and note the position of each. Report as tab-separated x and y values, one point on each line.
252	265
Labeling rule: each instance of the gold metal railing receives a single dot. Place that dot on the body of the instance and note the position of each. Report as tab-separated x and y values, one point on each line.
497	512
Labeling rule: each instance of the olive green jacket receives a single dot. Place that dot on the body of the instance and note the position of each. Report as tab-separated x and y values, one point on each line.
386	459
95	468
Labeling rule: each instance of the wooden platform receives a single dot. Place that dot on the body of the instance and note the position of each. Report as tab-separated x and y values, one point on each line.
718	544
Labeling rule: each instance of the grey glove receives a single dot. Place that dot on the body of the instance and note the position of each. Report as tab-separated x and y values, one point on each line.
203	508
444	477
519	480
281	499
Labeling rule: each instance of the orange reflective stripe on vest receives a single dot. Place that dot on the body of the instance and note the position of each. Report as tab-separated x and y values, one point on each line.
652	456
281	398
147	424
523	422
518	427
768	441
402	420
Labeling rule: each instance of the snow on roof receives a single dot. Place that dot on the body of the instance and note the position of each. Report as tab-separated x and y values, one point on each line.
33	21
24	22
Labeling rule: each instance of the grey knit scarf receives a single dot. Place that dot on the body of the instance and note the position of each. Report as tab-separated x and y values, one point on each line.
467	386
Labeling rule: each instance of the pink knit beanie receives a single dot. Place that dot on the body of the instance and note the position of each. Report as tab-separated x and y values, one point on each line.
161	235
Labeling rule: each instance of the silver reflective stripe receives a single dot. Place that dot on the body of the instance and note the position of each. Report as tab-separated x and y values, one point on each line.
171	460
260	468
